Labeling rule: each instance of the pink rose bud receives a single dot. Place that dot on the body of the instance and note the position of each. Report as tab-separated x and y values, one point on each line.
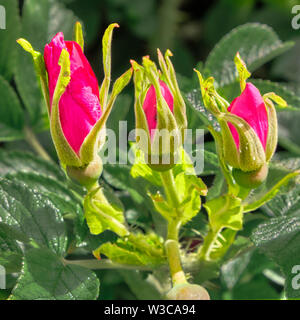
159	112
150	105
79	106
251	139
250	106
77	109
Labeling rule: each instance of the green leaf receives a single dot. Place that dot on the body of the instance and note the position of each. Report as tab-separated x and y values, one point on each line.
29	88
225	212
279	240
32	214
278	177
11	114
258	288
45	276
285	203
266	86
15	161
10	252
288	131
256	44
194	99
137	249
189	188
102	215
8	39
56	191
234	268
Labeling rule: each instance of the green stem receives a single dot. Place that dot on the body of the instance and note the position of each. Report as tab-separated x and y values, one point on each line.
32	140
170	188
173	253
207	246
172	243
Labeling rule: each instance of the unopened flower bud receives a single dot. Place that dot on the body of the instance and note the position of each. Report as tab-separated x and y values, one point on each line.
159	111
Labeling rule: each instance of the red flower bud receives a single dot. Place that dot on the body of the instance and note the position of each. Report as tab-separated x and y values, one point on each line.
79	106
150	105
250	106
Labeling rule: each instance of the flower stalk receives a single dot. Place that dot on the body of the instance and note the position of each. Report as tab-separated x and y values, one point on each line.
172	242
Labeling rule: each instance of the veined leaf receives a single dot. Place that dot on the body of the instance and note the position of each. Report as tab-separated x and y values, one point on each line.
278	177
16	161
45	276
256	44
279	240
32	214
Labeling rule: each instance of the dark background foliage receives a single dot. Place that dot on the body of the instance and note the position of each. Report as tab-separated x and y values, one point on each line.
190	28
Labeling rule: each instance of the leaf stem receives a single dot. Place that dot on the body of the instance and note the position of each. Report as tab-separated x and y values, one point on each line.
31	138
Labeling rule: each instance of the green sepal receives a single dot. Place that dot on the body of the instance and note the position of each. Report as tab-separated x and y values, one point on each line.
92	142
170	76
251	154
78	35
101	215
277	99
212	101
40	69
65	153
166	122
230	152
140	89
243	72
272	138
106	56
